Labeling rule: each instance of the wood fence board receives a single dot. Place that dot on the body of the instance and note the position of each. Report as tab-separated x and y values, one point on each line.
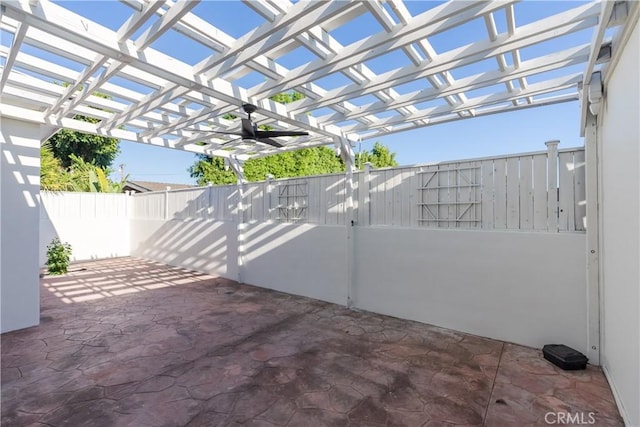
540	193
513	193
526	193
488	194
500	194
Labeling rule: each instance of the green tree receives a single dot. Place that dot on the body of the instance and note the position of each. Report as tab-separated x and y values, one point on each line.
53	177
76	161
287	97
88	177
304	162
211	170
379	157
95	149
80	176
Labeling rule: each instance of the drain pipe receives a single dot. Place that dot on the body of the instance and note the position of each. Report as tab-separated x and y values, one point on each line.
348	156
594	291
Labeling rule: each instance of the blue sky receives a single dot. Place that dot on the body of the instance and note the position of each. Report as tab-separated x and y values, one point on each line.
514	132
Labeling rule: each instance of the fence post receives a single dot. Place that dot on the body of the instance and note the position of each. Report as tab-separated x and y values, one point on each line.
552	185
268	203
209	206
166	203
367	193
128	206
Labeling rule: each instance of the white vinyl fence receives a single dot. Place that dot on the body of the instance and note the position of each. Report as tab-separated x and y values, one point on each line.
95	224
216	203
530	191
513	192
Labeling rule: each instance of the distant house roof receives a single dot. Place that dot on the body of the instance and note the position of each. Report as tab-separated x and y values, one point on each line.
146	186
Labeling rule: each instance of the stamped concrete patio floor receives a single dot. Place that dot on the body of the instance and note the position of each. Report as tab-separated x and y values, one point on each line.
132	342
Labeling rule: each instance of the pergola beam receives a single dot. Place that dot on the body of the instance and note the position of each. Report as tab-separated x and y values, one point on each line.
433	21
176	11
101	40
161	100
18	38
572	56
70	90
300	17
192	25
552	85
138	19
530	34
323	44
486	111
437	80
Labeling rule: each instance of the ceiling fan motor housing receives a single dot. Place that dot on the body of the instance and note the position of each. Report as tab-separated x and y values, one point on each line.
250	131
249	108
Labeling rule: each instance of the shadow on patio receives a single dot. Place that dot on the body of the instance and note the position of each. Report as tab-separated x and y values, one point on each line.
132	342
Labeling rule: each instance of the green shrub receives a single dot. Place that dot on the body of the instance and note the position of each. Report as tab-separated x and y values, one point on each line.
58	256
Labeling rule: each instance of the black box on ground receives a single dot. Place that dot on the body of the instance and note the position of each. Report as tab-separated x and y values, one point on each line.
564	357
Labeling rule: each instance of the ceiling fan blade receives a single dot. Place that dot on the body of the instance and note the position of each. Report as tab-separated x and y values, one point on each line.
247	129
276	133
270	141
216	131
230	141
224	133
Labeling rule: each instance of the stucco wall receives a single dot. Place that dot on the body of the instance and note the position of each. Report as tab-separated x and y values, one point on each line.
305	259
619	141
202	245
527	288
308	260
19	219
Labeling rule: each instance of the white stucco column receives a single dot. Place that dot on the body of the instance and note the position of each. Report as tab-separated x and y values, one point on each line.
19	224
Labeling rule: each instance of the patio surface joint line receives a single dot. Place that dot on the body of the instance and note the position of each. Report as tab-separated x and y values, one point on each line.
493	385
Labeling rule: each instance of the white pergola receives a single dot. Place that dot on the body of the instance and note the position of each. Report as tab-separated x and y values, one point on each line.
173	104
403	66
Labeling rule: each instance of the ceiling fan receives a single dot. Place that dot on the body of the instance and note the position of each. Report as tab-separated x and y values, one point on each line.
250	131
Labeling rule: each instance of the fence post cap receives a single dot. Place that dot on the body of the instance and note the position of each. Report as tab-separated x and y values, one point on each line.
552	143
